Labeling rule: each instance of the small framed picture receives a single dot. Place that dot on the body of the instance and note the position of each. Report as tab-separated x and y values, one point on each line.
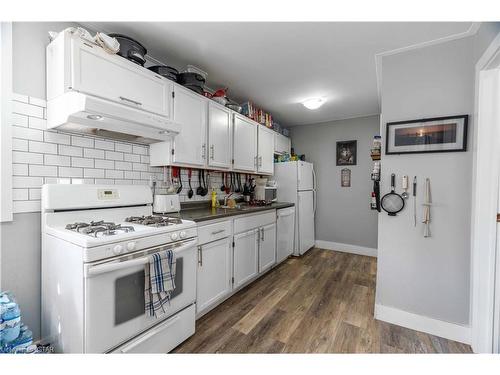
346	152
345	177
440	134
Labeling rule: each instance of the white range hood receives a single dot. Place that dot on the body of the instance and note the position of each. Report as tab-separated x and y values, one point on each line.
83	113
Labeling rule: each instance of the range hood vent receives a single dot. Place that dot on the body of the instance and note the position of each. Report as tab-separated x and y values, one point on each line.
79	113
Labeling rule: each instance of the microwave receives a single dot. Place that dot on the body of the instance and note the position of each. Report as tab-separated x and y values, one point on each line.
271	194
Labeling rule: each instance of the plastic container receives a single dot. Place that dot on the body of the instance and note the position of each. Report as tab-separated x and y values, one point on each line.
194	69
11	322
22	342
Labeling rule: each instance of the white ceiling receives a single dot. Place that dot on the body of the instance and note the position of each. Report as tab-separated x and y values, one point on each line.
278	65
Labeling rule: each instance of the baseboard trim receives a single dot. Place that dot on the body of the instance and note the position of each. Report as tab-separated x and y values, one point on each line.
347	248
450	331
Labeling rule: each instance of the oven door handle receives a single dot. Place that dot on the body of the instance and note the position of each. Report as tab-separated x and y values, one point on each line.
115	266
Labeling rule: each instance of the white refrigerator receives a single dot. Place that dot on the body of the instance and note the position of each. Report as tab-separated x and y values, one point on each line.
296	183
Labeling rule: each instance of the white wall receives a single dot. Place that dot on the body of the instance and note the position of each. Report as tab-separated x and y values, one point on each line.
343	214
428	276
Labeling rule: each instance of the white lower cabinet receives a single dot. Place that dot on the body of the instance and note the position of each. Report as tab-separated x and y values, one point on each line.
267	247
245	257
214	273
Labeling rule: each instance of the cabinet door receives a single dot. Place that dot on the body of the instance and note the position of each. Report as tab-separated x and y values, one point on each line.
244	144
112	77
219	136
245	257
282	144
265	150
267	247
190	110
214	273
285	233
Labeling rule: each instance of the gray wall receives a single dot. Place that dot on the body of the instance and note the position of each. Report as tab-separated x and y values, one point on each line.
21	248
29	40
428	276
343	214
20	239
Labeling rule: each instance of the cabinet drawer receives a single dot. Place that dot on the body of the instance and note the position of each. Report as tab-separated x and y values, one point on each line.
253	221
165	336
213	232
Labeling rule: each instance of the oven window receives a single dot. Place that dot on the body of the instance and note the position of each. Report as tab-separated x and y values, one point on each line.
129	294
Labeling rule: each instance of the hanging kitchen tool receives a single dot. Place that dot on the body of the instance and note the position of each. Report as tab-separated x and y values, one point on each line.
246	189
427	208
171	189
226	184
179	189
204	190
237	183
415	201
190	191
199	190
376	191
231	177
404	184
392	203
223	188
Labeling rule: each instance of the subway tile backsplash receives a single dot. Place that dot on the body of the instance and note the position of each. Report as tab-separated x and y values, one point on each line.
43	156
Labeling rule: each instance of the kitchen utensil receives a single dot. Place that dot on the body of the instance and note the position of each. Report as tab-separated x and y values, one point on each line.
427	208
223	188
190	191
231	177
227	186
171	189
199	190
204	190
165	71
415	201
237	183
405	194
246	187
179	189
131	49
392	203
376	190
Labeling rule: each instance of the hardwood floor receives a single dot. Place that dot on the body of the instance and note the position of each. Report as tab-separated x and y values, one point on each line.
319	303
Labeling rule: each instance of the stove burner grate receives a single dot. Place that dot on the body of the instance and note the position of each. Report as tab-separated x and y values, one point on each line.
99	228
153	220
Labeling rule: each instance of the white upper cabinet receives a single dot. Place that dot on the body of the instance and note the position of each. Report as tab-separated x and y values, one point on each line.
244	144
88	69
282	144
219	136
190	145
265	157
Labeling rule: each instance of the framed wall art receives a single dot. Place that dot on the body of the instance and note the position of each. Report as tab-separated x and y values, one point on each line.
346	152
440	134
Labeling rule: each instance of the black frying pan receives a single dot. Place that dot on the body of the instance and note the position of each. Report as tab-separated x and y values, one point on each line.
392	203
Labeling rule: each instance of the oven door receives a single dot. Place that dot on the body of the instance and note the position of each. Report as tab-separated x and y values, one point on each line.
114	296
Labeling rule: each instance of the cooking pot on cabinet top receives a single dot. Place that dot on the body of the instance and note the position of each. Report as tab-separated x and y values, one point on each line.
131	49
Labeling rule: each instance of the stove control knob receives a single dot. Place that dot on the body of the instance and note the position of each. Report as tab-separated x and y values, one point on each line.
117	249
182	234
131	246
173	236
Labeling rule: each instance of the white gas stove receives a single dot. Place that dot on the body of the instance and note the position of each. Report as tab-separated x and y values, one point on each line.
96	241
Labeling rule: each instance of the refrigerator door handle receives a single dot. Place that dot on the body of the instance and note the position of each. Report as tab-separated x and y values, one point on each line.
314	202
314	179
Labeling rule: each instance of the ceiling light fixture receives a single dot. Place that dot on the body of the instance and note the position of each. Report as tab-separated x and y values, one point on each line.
313	103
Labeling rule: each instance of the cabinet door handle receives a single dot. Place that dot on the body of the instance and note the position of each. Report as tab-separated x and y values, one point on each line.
124	99
200	256
218	231
260	161
204	151
255	161
262	231
212	151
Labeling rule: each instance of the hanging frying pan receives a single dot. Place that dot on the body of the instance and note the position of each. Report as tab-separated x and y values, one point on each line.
392	203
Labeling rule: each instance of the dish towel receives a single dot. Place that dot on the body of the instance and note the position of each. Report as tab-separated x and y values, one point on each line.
159	282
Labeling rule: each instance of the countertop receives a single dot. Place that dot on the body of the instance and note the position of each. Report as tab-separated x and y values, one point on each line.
202	212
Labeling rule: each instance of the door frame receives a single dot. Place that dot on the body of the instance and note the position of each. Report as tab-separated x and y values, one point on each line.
485	188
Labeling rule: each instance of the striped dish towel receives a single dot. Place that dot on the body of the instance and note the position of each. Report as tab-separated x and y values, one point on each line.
159	282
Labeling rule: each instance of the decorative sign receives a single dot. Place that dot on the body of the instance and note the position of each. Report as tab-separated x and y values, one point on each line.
345	177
